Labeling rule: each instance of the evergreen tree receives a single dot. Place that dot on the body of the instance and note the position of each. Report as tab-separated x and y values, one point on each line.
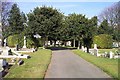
104	28
45	21
15	21
90	31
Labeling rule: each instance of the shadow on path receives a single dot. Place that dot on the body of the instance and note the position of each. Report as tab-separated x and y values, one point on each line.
61	48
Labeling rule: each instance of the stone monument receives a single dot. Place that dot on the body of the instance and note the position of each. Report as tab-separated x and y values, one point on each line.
24	42
5	42
111	55
96	50
82	48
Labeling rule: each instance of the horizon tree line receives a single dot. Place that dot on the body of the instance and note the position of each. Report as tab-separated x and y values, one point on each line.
53	25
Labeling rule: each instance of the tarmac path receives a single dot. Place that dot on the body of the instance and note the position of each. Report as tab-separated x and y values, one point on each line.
66	64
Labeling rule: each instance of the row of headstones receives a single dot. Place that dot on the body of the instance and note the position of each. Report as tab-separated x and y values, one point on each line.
95	52
24	46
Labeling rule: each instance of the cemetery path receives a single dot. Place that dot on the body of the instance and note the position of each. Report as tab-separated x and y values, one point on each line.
66	64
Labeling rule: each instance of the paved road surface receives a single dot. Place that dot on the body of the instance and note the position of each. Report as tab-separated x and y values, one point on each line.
65	64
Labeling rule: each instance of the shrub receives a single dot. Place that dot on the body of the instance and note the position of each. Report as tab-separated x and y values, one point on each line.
11	40
30	43
103	41
14	39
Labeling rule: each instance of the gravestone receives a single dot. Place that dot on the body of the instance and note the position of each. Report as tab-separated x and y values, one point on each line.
95	46
85	49
111	55
24	42
5	42
82	48
105	54
96	50
20	62
17	47
13	60
68	43
5	52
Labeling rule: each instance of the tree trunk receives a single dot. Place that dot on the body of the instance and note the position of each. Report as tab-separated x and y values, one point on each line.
87	49
65	43
50	42
74	43
54	42
78	44
43	43
46	42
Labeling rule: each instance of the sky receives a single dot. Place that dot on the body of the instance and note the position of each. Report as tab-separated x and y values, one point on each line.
89	8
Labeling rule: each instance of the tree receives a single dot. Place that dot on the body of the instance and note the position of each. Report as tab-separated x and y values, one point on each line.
103	41
16	20
90	31
44	21
4	10
64	31
104	28
112	15
76	24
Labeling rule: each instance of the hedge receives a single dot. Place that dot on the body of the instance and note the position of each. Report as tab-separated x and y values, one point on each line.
13	41
103	41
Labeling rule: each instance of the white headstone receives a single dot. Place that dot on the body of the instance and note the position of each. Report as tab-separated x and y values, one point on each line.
5	42
111	55
97	53
48	42
5	52
95	46
82	48
24	42
68	43
96	50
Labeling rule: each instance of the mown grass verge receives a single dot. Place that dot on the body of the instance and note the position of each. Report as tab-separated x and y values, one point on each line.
107	50
110	66
35	67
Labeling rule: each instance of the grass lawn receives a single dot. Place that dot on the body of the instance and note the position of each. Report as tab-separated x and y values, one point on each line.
107	50
110	66
35	67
